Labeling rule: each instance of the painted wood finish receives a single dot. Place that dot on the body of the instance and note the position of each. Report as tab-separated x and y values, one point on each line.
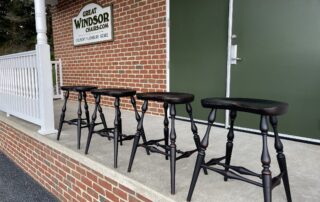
19	86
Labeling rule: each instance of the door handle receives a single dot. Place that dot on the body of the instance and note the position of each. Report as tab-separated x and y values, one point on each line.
234	55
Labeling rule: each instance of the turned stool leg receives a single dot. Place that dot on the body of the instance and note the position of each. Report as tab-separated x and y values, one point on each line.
64	108
137	136
194	130
79	120
120	124
86	108
93	120
173	148
281	157
265	159
144	139
102	117
116	130
166	129
201	154
229	144
196	171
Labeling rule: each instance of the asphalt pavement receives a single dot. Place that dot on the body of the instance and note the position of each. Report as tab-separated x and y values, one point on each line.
18	186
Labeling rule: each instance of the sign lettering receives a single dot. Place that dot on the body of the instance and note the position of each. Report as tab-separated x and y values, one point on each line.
92	25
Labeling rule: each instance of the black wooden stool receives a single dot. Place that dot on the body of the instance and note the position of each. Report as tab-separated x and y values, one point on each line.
154	145
116	132
266	109
79	122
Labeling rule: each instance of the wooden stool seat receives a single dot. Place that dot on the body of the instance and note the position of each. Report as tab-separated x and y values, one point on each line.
168	97
114	92
78	88
84	88
67	88
256	106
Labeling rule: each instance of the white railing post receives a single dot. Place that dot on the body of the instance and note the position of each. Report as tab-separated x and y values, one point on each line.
44	70
60	76
19	92
57	69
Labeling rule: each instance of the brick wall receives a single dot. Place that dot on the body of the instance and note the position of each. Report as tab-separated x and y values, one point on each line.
135	59
66	178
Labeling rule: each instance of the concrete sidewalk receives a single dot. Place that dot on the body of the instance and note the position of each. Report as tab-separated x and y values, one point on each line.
153	171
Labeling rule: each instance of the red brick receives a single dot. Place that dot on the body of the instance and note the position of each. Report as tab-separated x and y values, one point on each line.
67	196
92	192
81	170
81	185
126	189
111	181
105	184
86	181
86	196
72	193
77	189
75	174
111	196
98	188
71	179
71	165
120	193
144	36
92	176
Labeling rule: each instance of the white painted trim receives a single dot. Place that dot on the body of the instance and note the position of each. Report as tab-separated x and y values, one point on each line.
16	55
167	45
228	79
18	86
41	23
44	70
58	94
61	79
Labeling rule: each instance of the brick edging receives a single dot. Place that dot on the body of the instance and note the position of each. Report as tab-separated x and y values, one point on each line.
61	175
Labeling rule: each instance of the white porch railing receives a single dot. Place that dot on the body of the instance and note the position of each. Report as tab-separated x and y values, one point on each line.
19	86
57	82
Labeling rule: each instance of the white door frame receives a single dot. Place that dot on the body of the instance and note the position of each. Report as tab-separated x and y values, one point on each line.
228	79
167	45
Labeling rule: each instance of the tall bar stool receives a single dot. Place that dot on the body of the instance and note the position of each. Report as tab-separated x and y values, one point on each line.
169	99
79	121
266	109
114	133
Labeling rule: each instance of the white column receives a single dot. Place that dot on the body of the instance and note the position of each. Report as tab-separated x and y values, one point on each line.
44	70
168	46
